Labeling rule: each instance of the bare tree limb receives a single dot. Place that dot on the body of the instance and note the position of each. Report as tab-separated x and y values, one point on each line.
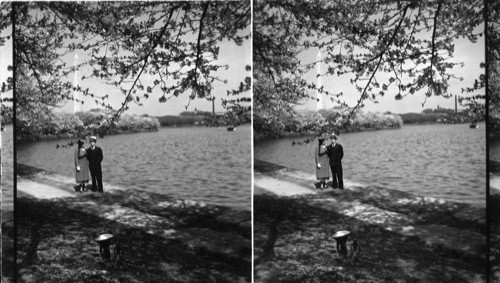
434	40
162	32
378	64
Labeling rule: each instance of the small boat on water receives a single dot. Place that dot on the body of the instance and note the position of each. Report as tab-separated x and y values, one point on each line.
231	128
473	126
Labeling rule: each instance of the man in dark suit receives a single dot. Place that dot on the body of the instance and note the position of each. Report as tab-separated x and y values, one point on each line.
94	155
335	153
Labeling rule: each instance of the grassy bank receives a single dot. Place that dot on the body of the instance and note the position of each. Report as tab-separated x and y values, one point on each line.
56	240
293	243
403	237
8	267
494	218
494	214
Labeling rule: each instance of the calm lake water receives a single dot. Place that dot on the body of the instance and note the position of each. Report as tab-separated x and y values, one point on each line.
443	161
197	163
7	178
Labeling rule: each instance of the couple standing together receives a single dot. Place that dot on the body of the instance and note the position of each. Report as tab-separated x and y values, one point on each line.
88	160
329	156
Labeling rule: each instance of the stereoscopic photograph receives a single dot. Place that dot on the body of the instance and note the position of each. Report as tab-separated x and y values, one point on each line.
250	141
132	141
370	141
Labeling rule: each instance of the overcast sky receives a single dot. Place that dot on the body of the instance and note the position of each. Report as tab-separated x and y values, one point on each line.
236	57
472	54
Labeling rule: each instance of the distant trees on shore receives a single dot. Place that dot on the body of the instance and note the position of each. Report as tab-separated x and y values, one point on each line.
181	120
331	120
52	124
188	118
195	113
440	115
374	120
69	125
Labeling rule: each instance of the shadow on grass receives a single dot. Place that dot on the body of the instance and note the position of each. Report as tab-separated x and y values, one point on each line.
278	210
421	210
7	251
494	214
56	244
25	170
7	215
180	213
494	166
293	243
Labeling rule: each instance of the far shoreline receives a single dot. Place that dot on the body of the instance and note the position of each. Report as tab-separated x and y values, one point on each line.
259	137
67	137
